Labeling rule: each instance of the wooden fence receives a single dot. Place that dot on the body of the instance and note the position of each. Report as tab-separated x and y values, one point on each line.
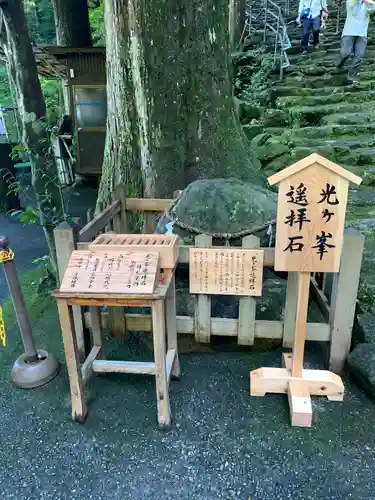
335	294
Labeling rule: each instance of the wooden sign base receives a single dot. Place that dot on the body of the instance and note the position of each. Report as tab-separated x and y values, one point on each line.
299	389
293	380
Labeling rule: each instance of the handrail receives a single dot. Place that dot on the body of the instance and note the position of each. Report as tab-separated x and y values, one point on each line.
269	10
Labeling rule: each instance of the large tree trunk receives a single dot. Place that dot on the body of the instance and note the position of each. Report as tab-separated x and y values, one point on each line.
32	110
72	23
170	110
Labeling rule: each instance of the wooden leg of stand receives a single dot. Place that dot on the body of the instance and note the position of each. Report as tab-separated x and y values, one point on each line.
300	334
299	404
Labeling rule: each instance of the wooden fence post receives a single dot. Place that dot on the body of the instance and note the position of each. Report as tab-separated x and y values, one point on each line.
203	304
66	237
116	315
290	312
344	298
247	308
120	222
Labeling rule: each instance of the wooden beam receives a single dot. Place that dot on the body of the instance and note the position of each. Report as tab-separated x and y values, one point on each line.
247	305
87	365
171	354
98	223
222	327
320	299
268	261
147	204
344	300
299	404
203	305
137	367
290	312
276	381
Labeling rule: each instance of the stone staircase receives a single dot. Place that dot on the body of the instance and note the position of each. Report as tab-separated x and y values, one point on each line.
313	109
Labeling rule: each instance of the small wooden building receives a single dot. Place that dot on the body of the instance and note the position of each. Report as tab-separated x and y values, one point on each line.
83	72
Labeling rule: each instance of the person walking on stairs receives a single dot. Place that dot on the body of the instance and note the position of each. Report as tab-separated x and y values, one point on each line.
354	35
311	13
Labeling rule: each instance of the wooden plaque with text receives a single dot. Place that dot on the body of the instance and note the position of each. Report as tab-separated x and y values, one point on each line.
111	272
311	211
226	271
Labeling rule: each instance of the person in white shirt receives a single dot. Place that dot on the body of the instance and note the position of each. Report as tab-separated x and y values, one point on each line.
354	35
311	13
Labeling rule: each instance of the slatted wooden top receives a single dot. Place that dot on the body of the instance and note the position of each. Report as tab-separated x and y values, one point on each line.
110	273
165	245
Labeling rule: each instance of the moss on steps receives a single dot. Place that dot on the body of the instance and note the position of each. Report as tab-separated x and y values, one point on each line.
328	98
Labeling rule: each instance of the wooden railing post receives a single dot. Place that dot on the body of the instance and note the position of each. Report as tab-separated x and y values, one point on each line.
120	222
344	298
247	308
66	237
203	304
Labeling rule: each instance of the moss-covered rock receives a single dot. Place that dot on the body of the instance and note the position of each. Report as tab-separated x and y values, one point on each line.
260	140
279	163
246	111
253	129
274	118
269	152
224	208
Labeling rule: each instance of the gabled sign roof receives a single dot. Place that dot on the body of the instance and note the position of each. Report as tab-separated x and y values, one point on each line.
307	162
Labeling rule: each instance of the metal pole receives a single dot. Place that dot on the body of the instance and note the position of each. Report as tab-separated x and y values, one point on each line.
11	275
265	21
277	38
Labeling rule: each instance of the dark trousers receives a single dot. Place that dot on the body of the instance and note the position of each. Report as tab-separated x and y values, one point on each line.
310	25
352	46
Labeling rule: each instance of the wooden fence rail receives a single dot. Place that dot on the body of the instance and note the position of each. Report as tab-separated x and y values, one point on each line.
336	302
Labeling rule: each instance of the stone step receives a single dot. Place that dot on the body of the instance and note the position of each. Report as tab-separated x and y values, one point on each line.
333	131
366	115
308	115
329	98
321	81
283	91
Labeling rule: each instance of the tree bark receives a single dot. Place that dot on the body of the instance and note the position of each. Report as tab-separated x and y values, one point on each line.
72	23
31	105
170	110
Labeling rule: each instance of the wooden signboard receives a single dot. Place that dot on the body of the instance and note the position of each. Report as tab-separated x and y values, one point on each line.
165	245
311	214
309	233
120	273
226	271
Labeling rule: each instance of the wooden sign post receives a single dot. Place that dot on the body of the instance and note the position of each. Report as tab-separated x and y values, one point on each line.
309	235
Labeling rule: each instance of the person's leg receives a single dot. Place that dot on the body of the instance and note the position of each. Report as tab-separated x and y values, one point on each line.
316	22
346	49
360	44
305	34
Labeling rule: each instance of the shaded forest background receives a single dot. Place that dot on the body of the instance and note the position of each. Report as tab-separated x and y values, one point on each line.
42	31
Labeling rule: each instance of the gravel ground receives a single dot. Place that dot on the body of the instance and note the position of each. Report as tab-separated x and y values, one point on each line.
223	444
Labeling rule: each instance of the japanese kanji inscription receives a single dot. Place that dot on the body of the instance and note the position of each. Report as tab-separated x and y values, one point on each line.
119	273
311	214
226	271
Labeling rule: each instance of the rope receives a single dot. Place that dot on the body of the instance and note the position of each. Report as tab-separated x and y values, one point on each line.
3	338
6	255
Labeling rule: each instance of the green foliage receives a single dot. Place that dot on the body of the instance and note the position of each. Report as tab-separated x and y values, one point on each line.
5	92
252	71
366	296
96	16
40	20
52	92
